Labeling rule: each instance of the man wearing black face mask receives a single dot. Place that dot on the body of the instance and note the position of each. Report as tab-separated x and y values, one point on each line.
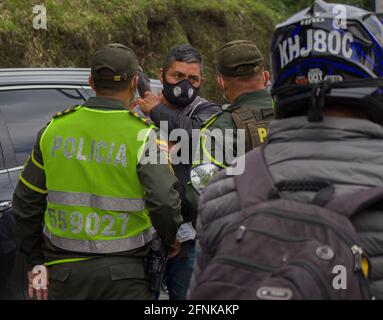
180	106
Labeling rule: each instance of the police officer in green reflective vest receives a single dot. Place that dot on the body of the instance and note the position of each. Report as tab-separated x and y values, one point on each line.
243	80
87	206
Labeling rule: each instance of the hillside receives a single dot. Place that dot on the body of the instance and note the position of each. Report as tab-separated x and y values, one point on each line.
76	28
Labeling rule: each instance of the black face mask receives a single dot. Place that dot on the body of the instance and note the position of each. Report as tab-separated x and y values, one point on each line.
180	94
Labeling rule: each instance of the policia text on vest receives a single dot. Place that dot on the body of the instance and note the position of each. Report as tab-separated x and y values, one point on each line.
101	152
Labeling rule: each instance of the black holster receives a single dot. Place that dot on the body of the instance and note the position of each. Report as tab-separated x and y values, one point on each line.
156	264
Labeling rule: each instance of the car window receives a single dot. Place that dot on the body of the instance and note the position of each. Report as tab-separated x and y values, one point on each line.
155	89
27	111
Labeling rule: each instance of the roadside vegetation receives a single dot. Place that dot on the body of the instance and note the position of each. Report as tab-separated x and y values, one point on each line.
76	28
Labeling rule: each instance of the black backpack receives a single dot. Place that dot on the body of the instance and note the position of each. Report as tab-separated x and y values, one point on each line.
279	249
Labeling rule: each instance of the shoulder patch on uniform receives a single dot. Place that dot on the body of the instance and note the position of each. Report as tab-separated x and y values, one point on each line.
66	111
136	115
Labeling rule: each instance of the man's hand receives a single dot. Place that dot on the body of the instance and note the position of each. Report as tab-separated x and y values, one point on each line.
38	281
149	102
174	249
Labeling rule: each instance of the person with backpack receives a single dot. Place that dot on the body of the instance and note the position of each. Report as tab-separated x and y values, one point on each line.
243	80
305	219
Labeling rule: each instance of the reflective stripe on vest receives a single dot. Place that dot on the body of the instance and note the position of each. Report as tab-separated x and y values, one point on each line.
101	246
94	201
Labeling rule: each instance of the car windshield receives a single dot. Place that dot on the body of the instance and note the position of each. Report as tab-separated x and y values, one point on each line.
375	26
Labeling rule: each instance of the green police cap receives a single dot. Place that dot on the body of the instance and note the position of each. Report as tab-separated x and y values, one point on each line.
239	58
113	64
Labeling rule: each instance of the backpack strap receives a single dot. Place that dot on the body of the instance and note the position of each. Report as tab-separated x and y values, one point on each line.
324	189
352	203
239	117
255	184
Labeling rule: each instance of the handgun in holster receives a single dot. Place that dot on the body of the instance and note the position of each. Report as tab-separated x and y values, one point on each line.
156	264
